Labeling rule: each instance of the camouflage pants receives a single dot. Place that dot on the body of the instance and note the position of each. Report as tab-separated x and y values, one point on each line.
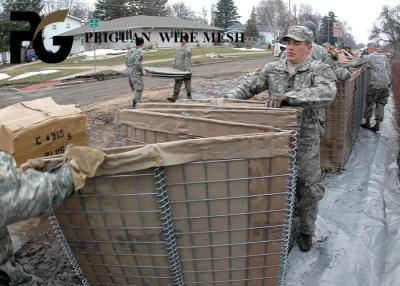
378	97
136	83
178	85
11	272
310	185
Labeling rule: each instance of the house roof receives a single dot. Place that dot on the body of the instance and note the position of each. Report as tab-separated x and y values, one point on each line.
75	18
141	22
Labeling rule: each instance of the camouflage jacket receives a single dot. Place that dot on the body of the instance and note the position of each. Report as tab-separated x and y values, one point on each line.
379	68
183	59
312	87
134	61
24	195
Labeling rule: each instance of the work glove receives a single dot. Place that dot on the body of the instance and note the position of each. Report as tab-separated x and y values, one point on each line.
84	162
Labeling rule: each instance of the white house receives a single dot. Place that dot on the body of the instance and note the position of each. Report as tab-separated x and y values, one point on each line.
267	35
120	33
70	23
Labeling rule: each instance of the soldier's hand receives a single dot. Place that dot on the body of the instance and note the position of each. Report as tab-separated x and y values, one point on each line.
258	69
144	73
84	162
274	102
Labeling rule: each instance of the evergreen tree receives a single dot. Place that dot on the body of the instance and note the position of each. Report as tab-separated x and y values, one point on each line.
251	28
152	7
326	30
6	26
112	9
226	14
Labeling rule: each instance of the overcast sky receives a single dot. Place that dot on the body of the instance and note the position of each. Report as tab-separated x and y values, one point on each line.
359	14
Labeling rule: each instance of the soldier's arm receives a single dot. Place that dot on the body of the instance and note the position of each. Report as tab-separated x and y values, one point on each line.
188	59
360	62
388	69
251	86
31	193
320	94
139	62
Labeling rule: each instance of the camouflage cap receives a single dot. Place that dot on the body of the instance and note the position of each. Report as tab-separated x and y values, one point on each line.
299	33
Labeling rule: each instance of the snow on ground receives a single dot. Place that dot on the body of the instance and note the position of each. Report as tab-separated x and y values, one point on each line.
3	76
103	52
357	240
251	50
29	74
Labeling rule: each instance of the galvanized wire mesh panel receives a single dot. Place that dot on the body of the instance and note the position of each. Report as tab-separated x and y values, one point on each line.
114	230
343	119
229	218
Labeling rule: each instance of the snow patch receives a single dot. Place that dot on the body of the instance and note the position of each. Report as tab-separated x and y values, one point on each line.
103	52
3	76
29	74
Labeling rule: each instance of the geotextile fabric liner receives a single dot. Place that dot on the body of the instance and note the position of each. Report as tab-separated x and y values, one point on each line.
283	118
142	126
209	211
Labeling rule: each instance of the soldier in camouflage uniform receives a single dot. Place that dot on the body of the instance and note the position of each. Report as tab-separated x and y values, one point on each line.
26	193
303	82
134	63
183	62
318	53
379	83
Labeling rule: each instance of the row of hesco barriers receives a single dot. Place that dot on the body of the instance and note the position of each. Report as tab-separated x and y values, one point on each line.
200	193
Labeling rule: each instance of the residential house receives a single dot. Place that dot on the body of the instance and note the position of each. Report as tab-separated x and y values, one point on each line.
267	34
70	23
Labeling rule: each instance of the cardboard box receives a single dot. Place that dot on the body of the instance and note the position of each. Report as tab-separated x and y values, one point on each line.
40	128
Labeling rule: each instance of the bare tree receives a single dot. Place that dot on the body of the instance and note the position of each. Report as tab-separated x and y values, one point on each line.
305	12
387	28
76	8
204	14
182	11
275	14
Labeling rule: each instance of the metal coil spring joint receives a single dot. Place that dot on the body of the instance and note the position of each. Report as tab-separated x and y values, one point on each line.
67	250
168	226
291	201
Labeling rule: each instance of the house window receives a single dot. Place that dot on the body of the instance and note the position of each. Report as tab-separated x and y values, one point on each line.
82	42
54	27
68	26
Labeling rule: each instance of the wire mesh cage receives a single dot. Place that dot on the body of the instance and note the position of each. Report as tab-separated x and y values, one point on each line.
211	211
343	120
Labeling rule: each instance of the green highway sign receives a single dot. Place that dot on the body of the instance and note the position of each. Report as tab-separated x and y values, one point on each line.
93	22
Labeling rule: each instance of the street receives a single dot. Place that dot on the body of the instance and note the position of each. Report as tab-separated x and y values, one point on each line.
84	94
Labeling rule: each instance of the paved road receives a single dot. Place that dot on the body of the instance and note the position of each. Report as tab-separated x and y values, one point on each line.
84	94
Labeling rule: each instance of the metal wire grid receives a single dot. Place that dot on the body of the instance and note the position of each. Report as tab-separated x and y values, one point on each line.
343	119
117	245
223	238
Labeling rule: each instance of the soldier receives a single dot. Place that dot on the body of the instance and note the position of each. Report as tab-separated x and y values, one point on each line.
183	61
134	63
27	192
303	82
379	83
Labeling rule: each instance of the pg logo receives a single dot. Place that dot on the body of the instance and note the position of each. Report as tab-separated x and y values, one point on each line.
34	34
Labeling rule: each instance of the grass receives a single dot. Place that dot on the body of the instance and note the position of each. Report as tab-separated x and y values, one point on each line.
37	78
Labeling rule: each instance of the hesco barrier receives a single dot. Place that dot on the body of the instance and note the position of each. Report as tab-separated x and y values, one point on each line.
208	211
343	120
